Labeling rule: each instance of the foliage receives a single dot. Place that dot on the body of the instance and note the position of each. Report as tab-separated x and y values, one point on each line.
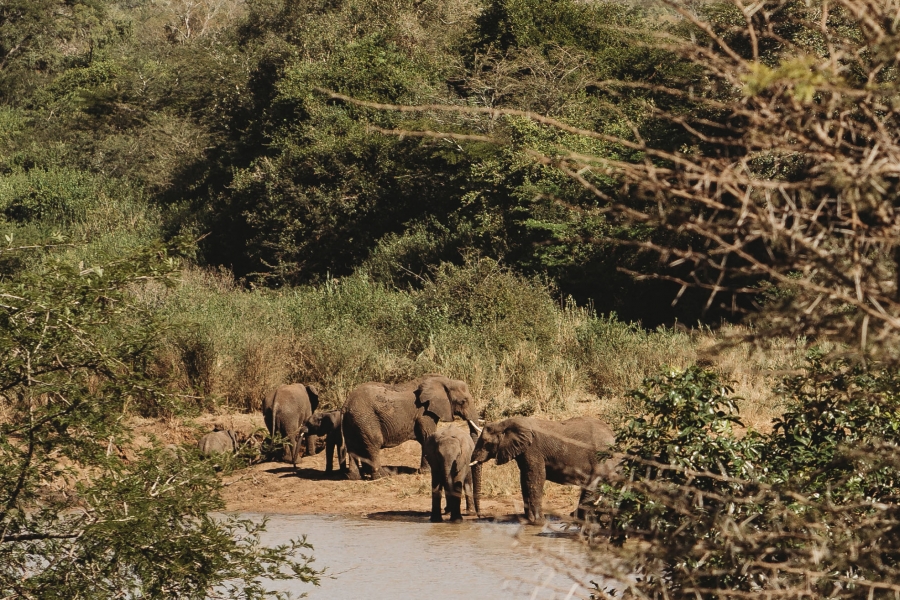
833	406
506	335
808	506
684	436
79	518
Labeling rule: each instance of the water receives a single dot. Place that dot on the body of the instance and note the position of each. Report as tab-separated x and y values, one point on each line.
398	555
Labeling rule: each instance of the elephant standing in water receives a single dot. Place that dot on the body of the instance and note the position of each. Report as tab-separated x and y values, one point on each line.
285	411
379	415
449	452
329	425
563	452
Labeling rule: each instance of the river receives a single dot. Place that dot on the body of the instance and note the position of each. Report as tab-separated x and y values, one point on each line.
402	555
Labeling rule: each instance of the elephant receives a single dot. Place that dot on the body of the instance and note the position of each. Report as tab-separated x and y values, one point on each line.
219	442
564	452
379	415
449	452
285	411
329	425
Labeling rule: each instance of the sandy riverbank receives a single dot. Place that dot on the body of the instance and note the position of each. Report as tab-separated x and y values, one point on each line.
275	487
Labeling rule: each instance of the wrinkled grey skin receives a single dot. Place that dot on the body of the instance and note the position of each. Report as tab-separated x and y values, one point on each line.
285	411
329	425
219	442
379	415
563	452
449	452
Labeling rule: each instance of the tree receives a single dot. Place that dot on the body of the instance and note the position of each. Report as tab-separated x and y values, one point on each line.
780	200
78	519
780	204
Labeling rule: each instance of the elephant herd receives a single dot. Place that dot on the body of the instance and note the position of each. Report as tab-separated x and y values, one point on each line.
380	415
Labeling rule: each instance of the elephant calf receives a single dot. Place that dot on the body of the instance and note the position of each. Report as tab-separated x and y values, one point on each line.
563	452
449	452
219	442
328	424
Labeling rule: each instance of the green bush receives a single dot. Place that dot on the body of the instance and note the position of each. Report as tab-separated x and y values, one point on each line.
835	409
58	196
722	512
75	349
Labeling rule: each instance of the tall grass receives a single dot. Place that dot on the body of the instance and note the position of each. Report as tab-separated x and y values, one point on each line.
520	350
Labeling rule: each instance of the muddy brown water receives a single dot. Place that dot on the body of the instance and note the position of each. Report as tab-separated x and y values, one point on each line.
402	555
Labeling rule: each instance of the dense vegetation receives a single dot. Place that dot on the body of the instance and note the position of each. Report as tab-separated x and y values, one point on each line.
201	117
137	138
388	188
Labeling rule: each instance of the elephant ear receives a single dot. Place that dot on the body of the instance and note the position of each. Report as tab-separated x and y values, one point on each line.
513	442
435	397
313	393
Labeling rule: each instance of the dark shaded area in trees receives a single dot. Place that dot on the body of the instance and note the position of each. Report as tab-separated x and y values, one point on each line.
212	119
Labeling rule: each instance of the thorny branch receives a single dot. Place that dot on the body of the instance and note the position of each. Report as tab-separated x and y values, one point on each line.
791	178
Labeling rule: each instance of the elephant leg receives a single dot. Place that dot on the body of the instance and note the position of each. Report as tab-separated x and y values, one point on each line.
587	491
532	475
370	464
353	472
424	427
454	501
582	499
358	447
470	500
436	499
343	459
329	454
311	445
476	487
295	450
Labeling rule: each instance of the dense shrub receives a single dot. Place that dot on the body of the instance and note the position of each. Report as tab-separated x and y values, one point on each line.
806	508
518	348
74	350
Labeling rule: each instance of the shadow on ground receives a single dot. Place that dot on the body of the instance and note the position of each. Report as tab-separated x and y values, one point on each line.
404	516
399	470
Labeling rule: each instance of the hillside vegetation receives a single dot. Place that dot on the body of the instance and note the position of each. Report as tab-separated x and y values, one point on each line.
201	199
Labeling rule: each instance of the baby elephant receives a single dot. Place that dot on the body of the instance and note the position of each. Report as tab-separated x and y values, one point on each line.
449	452
328	424
219	442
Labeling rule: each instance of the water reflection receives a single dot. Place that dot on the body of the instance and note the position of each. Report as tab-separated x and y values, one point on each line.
401	555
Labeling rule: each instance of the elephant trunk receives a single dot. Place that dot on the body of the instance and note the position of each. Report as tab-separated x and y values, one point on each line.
476	487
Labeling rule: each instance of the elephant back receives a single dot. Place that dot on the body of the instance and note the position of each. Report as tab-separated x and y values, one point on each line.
602	435
376	406
217	442
295	398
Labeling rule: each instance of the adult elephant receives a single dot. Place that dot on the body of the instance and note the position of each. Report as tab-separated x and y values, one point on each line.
449	452
380	415
285	411
563	452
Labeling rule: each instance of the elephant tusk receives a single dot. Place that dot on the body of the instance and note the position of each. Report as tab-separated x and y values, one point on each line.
474	426
474	463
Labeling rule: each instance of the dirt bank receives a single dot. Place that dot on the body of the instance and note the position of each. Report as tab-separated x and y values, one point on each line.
279	488
276	487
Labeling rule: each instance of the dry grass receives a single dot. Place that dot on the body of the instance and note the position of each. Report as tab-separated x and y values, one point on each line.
230	346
